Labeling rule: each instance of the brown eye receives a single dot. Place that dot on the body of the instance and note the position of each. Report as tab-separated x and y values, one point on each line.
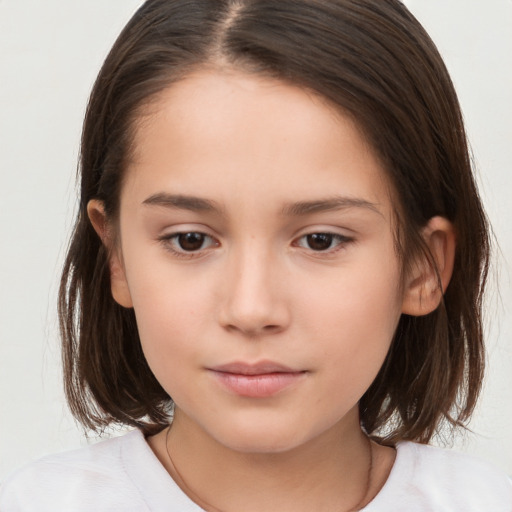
320	241
190	241
323	242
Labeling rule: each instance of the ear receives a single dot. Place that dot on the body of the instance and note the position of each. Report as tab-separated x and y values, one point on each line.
425	286
118	282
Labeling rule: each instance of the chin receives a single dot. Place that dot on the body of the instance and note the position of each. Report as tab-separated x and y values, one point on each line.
262	438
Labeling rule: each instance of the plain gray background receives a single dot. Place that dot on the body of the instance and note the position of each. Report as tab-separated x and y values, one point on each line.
50	53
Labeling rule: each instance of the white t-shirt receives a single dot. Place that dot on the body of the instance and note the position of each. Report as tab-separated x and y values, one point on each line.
124	475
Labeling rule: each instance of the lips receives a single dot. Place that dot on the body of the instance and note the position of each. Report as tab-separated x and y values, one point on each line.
260	380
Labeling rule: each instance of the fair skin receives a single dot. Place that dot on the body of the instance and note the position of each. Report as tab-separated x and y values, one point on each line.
289	271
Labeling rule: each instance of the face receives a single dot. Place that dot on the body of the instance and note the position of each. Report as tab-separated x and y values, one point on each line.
256	247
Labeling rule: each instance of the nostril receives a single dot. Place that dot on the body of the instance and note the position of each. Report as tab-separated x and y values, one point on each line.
270	328
254	331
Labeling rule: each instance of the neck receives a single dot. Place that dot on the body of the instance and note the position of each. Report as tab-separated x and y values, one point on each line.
329	472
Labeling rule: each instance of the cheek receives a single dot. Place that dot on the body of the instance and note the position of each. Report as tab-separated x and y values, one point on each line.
169	319
165	295
168	333
171	312
358	315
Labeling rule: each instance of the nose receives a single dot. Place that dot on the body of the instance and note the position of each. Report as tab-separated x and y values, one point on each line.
253	299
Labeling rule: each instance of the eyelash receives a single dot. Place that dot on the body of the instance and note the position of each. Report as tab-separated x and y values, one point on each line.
341	241
171	243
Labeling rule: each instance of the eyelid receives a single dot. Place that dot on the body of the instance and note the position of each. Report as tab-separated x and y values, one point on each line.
167	240
343	240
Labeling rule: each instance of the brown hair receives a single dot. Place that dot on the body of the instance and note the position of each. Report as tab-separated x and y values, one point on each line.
373	60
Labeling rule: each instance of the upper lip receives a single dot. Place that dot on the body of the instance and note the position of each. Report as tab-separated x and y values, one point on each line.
259	368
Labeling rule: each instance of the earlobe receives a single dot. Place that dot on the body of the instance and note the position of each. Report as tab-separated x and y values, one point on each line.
425	286
118	282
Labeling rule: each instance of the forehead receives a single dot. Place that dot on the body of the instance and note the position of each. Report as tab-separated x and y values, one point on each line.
232	130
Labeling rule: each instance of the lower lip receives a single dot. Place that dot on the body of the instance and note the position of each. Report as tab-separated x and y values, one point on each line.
258	386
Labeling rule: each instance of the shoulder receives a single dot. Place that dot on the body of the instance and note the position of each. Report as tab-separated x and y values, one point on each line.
77	480
427	478
118	475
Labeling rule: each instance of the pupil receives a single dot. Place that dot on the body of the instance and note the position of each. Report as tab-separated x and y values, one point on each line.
319	241
191	241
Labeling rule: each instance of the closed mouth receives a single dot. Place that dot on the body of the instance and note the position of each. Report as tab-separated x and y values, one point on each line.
259	368
260	380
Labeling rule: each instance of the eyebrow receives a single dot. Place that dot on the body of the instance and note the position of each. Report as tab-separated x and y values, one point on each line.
182	202
330	204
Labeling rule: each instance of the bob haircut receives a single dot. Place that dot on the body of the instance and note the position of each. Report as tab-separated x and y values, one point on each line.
372	60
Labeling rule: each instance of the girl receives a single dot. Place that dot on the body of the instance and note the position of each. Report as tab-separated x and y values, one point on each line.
276	271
